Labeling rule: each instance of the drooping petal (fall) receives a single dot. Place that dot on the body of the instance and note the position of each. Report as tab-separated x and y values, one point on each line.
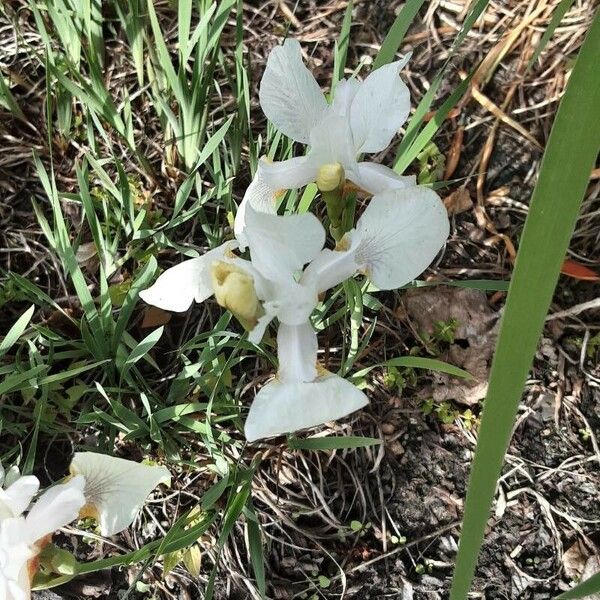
297	352
286	407
15	552
289	95
375	178
115	488
282	245
56	507
399	235
261	196
179	286
380	106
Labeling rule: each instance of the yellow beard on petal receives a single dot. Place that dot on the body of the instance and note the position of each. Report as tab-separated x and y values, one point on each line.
321	370
89	511
343	245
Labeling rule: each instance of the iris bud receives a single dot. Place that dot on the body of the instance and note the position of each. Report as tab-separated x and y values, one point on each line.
234	290
330	177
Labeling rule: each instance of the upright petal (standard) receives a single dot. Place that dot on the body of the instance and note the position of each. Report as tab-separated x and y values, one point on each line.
380	106
289	95
56	507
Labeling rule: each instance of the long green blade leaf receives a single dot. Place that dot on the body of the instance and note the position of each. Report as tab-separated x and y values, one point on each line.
396	34
559	13
570	154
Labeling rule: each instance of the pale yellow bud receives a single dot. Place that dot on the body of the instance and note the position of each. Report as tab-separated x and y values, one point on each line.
330	177
234	290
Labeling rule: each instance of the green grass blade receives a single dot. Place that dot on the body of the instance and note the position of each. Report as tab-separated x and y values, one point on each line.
255	548
417	362
340	52
584	590
332	443
405	158
395	35
8	100
557	17
15	332
144	346
568	160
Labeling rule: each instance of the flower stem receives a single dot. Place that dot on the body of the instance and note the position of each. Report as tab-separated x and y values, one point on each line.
336	205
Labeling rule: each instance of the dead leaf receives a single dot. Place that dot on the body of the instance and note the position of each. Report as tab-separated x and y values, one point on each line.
574	560
87	256
474	339
576	270
458	201
154	316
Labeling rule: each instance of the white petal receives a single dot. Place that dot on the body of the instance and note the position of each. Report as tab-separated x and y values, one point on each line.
344	94
261	196
55	508
289	95
290	174
285	407
329	268
281	245
375	178
399	234
297	352
256	335
16	497
14	555
380	107
331	142
116	488
179	286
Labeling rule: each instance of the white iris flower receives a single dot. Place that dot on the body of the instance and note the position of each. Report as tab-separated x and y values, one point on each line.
22	538
108	488
363	118
396	238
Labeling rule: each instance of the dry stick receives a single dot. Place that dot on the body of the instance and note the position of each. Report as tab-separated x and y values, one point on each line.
575	310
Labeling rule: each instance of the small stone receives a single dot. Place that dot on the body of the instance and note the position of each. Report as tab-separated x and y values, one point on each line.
396	448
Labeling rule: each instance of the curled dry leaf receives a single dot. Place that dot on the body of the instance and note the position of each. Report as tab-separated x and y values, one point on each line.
574	560
458	201
154	317
475	336
87	256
